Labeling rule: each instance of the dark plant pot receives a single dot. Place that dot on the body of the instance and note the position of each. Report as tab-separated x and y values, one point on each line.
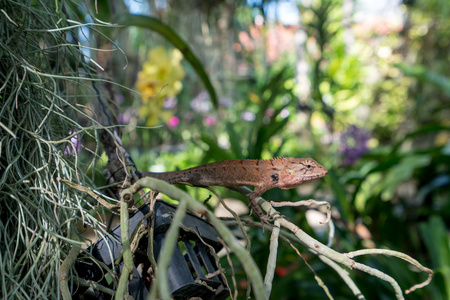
191	261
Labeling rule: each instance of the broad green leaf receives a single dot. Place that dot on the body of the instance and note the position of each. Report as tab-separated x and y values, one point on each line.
401	172
167	32
437	241
426	75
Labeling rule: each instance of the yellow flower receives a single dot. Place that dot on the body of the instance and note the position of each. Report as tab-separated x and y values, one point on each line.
253	97
160	77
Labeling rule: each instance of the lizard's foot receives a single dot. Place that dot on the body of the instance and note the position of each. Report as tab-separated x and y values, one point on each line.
274	216
266	220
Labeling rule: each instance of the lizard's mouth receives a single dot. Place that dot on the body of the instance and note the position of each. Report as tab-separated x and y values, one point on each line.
314	176
288	187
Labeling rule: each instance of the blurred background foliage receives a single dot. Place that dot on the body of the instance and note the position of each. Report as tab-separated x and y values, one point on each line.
364	89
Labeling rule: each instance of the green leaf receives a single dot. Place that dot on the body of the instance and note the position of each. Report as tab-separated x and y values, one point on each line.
427	129
402	172
214	150
437	241
341	195
437	182
235	141
167	32
425	75
435	235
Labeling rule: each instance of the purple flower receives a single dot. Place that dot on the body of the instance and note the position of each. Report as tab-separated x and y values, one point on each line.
120	99
201	103
248	116
126	116
225	102
170	102
75	144
354	144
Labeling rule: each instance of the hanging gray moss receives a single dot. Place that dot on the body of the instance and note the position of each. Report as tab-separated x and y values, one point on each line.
39	143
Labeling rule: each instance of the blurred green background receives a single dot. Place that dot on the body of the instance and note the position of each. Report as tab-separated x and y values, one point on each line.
362	87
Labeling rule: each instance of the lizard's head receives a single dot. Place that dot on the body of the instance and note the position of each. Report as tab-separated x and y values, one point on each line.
299	170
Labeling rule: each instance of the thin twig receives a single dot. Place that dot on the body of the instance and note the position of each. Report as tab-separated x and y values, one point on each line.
64	272
305	203
316	277
122	289
272	260
400	255
236	217
220	270
90	192
151	230
344	275
230	263
94	285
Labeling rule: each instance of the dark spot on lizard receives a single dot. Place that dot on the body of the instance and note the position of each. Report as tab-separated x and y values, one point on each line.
275	177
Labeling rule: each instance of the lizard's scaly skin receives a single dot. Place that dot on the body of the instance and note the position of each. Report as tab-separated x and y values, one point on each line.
285	173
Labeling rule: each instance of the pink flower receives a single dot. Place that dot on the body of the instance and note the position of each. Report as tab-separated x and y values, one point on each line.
209	120
269	112
173	122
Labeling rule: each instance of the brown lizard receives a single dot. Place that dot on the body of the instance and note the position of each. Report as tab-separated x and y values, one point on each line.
285	173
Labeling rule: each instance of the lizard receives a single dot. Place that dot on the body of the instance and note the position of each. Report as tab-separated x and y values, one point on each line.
284	173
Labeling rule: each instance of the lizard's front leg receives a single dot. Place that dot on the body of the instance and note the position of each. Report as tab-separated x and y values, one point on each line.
252	200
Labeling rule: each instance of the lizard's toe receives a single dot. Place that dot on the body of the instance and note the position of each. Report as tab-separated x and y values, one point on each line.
265	219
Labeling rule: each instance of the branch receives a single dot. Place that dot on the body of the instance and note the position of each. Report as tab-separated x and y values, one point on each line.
305	203
401	256
64	272
122	289
344	275
344	259
272	260
173	192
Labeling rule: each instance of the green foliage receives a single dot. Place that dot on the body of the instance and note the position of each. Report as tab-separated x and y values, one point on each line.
249	138
435	236
392	86
168	33
426	76
397	187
